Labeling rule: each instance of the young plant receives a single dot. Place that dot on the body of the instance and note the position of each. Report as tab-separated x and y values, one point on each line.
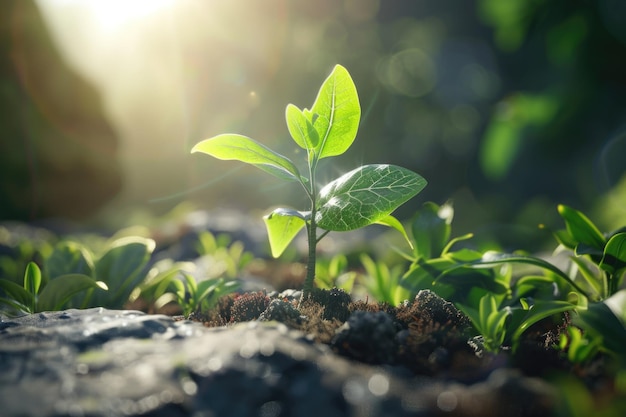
500	308
334	273
366	195
193	296
382	282
40	294
590	289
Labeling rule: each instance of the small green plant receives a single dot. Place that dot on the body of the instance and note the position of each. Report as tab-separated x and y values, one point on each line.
334	273
366	195
193	296
382	281
229	257
500	307
71	273
40	294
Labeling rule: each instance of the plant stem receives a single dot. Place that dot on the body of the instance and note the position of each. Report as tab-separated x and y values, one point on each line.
311	229
307	289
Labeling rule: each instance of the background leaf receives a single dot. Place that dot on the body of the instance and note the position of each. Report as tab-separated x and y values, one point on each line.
581	228
241	148
431	228
365	195
120	269
68	258
61	289
614	259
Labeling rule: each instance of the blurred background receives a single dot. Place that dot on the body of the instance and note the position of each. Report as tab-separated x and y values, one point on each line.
506	107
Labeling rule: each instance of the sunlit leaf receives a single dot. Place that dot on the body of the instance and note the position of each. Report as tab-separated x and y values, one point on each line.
301	128
61	289
491	258
32	278
581	228
336	114
282	227
614	258
244	149
394	223
365	195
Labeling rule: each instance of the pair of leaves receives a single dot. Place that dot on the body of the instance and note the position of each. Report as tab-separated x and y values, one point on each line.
328	129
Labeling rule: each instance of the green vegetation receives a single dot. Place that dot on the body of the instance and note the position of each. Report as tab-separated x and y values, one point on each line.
364	196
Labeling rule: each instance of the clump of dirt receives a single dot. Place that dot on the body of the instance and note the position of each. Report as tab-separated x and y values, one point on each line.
426	336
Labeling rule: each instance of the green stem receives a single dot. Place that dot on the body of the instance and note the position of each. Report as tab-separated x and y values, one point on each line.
307	289
311	228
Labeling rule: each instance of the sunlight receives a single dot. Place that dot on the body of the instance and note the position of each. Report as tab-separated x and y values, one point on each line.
112	14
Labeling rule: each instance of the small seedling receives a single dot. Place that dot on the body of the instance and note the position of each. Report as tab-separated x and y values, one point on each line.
366	195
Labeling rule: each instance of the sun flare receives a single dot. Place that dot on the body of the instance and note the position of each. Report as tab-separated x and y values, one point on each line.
112	14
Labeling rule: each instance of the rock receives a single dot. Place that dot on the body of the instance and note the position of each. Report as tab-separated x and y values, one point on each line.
367	336
100	362
283	312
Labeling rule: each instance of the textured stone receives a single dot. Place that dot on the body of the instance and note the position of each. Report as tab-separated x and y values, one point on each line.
100	362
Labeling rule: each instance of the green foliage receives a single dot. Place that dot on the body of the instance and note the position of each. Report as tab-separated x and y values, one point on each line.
333	273
230	257
39	294
382	282
191	295
505	133
366	195
590	290
481	285
169	281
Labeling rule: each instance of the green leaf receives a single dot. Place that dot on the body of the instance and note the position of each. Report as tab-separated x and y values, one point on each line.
491	258
335	114
301	128
32	278
365	195
592	278
241	148
565	239
60	289
539	311
581	228
17	294
68	258
394	223
617	304
614	258
120	269
282	227
606	319
431	228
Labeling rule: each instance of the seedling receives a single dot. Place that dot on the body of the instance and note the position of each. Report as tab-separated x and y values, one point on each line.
366	195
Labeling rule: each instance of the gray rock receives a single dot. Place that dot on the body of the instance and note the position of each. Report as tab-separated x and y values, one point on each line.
101	362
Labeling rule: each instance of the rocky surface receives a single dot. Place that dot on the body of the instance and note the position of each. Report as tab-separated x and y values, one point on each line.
101	362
